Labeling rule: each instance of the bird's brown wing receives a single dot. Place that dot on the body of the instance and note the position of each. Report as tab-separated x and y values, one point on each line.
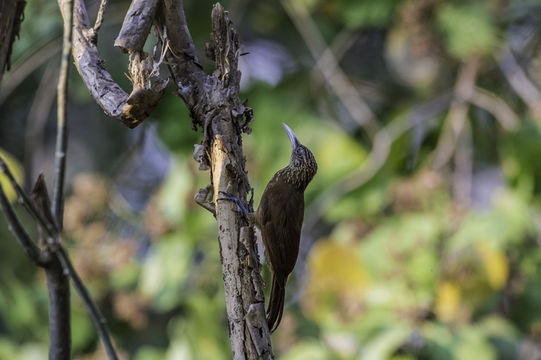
279	217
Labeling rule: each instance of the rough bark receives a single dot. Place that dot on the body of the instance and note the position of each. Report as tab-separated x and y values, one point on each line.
130	109
215	106
136	25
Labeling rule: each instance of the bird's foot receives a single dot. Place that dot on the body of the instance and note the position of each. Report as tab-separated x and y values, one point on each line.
242	208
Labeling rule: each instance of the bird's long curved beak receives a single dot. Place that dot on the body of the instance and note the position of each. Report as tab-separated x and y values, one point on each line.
292	137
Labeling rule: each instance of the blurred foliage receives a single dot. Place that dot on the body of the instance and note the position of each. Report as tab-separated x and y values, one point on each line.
17	171
395	263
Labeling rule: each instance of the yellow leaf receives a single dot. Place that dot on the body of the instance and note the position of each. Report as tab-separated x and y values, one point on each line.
447	301
494	262
337	268
16	169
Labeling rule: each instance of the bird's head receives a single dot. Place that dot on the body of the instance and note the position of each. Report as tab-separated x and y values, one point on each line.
302	163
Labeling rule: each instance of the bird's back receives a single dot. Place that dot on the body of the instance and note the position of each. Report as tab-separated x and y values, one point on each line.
279	217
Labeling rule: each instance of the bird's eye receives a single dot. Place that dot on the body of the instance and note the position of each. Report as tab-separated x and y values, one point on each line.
299	151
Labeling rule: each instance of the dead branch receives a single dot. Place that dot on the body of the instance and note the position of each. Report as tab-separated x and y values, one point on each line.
214	105
136	25
105	91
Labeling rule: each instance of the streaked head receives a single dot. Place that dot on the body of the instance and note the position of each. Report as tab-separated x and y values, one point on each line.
302	161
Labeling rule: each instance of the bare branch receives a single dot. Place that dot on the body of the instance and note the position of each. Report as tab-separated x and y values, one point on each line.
59	311
61	114
519	81
36	121
375	160
329	67
29	62
57	282
100	324
50	230
30	249
107	93
99	16
464	89
28	204
136	25
180	40
214	104
184	66
463	167
495	105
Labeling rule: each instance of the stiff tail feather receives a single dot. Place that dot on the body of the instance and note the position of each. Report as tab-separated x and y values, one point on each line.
275	307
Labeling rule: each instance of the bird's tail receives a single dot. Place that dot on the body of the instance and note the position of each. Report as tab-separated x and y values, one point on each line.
275	307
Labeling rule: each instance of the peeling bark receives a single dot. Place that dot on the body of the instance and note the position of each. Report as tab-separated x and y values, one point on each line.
215	106
128	109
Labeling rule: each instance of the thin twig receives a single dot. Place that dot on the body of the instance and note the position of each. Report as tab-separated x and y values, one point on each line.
28	204
331	72
463	167
31	250
495	105
377	157
58	282
519	80
60	253
30	61
95	315
458	111
62	121
36	121
99	17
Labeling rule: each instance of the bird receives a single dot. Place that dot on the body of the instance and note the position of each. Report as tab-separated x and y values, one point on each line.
279	217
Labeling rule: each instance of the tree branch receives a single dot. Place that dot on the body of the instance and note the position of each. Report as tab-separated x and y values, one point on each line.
99	322
99	16
59	311
214	104
458	111
30	249
136	25
53	246
61	115
330	70
129	109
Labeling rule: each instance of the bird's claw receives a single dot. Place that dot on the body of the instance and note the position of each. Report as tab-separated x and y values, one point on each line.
242	208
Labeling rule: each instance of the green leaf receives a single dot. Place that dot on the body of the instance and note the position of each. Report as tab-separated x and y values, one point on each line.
149	353
306	349
165	271
468	29
359	13
473	345
385	343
